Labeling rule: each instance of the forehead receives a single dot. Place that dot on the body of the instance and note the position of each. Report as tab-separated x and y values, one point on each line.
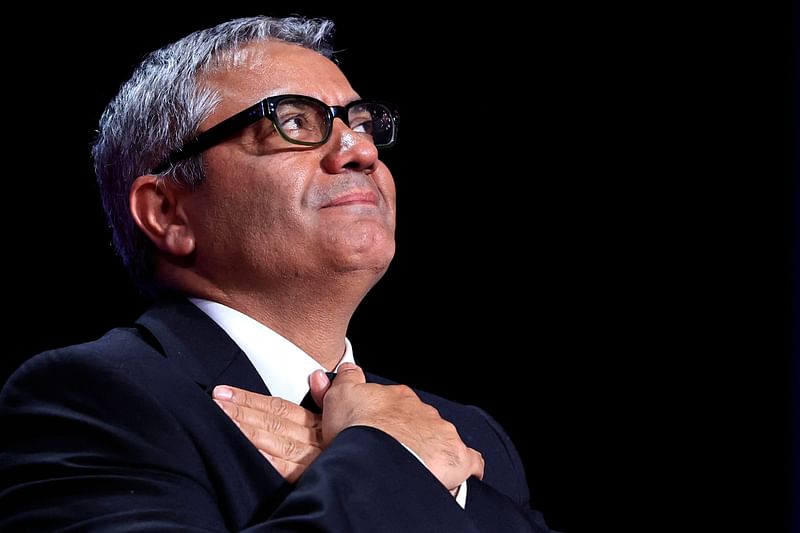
264	69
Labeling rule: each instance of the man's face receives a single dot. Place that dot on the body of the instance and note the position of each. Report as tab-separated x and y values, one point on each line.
270	211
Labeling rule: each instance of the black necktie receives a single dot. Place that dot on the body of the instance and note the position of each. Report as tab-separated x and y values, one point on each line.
309	403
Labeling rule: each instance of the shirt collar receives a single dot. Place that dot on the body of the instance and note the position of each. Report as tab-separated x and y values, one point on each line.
282	365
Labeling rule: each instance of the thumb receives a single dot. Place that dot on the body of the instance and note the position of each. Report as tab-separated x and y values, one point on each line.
350	373
318	383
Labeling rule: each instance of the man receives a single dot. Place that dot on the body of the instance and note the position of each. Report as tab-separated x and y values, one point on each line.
240	173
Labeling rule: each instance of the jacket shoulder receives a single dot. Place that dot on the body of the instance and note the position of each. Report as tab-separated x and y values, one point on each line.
115	349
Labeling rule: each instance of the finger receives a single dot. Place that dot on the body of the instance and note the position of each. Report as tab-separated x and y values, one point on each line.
349	373
281	447
290	471
478	464
271	423
269	404
319	383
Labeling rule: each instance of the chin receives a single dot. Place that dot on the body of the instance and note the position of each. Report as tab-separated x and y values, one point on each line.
375	261
374	258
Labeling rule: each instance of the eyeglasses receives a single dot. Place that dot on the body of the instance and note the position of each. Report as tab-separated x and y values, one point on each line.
299	120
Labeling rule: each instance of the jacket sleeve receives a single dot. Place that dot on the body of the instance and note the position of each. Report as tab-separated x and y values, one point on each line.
90	450
501	502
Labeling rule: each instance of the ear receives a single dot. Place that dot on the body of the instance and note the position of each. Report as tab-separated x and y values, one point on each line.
157	207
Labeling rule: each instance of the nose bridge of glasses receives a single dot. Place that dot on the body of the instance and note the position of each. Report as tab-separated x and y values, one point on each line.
349	139
344	137
319	117
340	112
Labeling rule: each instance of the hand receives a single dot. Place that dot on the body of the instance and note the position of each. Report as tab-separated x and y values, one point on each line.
398	411
287	435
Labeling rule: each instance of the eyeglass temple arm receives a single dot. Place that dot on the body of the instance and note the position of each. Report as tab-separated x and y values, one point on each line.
214	135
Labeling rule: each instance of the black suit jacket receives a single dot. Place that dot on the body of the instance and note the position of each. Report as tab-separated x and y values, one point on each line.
120	434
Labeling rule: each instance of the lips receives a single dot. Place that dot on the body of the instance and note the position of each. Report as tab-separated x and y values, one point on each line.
353	198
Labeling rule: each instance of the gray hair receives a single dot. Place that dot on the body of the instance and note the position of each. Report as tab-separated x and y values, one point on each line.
162	106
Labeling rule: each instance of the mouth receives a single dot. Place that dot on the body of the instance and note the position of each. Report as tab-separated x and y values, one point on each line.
353	198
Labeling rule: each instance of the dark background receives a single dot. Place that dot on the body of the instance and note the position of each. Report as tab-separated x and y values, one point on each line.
596	212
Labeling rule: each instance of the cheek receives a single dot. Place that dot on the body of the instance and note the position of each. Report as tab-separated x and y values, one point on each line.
272	201
385	182
254	198
270	184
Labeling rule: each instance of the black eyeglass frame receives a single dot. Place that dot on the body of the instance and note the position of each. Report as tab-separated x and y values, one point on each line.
266	109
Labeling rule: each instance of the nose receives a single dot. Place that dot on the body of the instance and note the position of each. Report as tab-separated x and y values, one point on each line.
348	150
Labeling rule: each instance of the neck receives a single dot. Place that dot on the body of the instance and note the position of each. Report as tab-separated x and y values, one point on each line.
315	317
318	328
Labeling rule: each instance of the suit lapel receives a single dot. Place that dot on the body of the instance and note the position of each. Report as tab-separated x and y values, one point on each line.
194	343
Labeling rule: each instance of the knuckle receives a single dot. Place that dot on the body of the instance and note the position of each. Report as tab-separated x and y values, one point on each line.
458	452
250	432
280	407
273	423
405	391
445	428
234	410
290	448
432	412
452	458
242	397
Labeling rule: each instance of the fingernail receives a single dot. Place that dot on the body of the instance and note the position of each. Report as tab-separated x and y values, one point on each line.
223	393
314	373
318	377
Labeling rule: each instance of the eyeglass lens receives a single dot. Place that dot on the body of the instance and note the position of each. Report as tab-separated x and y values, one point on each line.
309	121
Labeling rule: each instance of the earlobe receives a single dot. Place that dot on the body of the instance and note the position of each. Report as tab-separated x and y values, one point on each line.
156	206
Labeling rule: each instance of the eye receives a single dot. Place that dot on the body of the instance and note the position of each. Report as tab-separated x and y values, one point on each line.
296	122
301	120
361	121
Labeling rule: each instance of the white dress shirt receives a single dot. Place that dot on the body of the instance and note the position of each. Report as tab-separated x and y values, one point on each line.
282	365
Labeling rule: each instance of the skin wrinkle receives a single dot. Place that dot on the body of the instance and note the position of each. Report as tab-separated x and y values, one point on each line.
293	237
263	208
319	195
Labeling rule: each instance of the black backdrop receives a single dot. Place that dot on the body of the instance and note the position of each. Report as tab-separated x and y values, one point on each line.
595	213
